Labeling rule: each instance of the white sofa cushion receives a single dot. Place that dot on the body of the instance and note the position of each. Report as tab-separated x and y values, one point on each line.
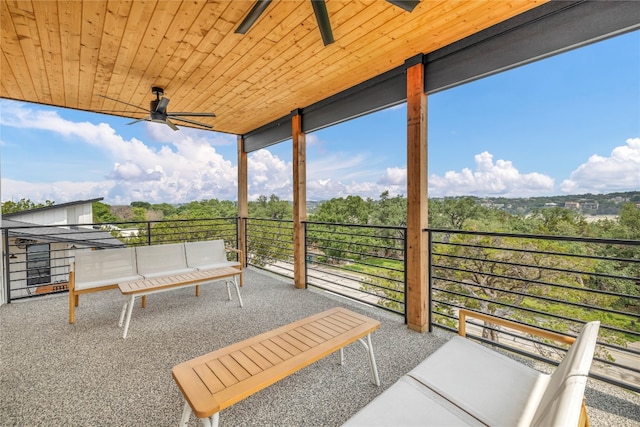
162	260
491	387
96	268
207	255
408	403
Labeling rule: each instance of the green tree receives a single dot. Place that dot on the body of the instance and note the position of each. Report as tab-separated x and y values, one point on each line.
102	213
23	205
271	208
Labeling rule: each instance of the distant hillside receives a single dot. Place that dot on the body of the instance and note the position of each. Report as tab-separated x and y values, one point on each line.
587	204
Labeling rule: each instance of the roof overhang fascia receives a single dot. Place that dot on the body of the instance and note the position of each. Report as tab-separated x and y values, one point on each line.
549	29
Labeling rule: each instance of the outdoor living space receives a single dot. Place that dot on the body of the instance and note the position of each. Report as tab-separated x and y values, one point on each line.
84	374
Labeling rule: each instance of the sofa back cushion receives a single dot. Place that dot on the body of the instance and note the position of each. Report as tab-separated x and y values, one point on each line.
208	255
161	260
205	253
95	268
562	399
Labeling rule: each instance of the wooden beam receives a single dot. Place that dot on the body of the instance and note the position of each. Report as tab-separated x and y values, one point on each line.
417	256
243	203
299	200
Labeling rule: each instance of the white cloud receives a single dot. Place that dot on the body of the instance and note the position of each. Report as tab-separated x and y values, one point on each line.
187	169
268	174
59	192
618	172
394	177
497	179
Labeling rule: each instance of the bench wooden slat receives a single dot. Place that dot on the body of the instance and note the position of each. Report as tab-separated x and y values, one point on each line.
333	326
220	370
314	337
176	280
286	346
209	379
263	351
275	348
269	346
320	331
234	367
257	358
246	362
304	338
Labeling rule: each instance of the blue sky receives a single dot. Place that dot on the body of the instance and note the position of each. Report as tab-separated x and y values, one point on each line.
569	124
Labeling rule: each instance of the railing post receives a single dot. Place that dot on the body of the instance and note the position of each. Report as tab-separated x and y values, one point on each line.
306	256
7	261
148	233
430	277
404	292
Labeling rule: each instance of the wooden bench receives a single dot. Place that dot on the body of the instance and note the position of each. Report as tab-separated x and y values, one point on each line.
100	270
465	383
143	287
217	380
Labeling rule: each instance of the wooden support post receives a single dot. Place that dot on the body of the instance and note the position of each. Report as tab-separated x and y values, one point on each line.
417	256
299	199
243	202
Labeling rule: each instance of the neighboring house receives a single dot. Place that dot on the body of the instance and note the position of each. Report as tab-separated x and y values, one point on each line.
41	244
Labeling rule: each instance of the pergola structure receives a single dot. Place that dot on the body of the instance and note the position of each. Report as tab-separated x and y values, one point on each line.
281	78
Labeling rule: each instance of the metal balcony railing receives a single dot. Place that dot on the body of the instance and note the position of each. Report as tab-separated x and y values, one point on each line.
37	258
554	282
362	262
557	283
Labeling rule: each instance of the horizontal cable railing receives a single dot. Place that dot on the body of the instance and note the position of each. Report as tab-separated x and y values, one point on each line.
37	258
270	245
555	283
361	262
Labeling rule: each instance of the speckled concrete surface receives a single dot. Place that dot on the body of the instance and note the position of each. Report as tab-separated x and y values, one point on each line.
56	374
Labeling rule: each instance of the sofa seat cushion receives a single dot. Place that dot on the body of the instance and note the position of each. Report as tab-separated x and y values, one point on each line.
150	275
408	403
218	265
106	282
491	387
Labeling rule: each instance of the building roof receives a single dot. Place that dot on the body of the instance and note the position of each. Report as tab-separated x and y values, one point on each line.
44	233
54	206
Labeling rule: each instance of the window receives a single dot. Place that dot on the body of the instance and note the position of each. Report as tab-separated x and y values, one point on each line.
38	264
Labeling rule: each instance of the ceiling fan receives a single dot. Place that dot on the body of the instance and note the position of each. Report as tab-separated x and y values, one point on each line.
319	9
158	111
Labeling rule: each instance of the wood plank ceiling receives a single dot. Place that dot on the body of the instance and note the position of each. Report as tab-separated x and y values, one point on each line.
66	53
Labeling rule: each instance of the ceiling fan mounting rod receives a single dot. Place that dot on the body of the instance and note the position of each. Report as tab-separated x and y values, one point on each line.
157	91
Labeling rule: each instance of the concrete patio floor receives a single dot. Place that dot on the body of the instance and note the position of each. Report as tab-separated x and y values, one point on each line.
56	374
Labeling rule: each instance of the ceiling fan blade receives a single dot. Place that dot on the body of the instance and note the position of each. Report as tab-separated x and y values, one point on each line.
193	122
171	125
145	118
322	16
192	114
162	105
117	100
407	5
253	16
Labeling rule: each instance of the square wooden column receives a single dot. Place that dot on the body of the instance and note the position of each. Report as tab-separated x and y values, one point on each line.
299	199
243	202
417	255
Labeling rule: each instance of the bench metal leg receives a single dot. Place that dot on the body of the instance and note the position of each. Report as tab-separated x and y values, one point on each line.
372	360
124	309
128	319
235	282
186	413
214	421
228	282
